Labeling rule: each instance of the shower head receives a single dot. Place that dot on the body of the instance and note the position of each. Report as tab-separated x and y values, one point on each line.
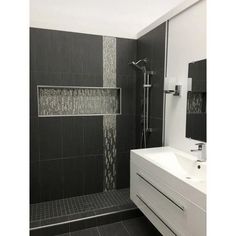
136	64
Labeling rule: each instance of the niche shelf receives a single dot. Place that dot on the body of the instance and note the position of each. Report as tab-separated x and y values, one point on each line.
196	102
78	101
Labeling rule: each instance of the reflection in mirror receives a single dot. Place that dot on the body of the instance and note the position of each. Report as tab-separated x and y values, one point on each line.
196	101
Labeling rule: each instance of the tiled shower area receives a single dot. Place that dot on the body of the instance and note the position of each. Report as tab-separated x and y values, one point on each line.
85	117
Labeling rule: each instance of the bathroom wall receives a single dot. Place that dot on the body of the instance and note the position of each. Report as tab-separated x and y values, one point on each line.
152	46
67	153
186	43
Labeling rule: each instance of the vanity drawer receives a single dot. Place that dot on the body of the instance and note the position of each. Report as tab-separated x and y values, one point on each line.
154	218
168	205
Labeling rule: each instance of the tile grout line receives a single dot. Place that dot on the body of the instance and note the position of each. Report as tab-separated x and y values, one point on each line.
98	231
125	227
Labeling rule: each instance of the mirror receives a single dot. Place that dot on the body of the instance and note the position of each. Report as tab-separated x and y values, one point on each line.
196	101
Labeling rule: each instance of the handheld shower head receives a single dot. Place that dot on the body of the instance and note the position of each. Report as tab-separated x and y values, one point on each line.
136	64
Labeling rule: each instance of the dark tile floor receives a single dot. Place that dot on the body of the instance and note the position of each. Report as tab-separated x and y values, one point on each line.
51	212
133	227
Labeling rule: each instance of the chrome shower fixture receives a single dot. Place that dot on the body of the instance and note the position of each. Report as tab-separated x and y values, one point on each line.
136	64
141	65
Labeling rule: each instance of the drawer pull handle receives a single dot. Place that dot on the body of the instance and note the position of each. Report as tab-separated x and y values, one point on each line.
180	207
156	214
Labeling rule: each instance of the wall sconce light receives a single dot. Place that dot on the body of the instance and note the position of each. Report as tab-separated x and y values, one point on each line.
171	86
175	92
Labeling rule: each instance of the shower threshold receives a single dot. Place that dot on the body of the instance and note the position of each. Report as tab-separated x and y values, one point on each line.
82	211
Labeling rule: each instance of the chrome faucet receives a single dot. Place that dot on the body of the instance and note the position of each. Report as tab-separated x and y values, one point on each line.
201	148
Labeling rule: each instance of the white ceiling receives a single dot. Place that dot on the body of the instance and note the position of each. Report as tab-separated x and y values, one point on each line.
119	18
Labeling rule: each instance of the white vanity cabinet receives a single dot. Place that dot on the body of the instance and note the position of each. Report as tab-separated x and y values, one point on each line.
161	197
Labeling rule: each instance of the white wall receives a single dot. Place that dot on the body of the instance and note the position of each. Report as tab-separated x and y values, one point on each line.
186	43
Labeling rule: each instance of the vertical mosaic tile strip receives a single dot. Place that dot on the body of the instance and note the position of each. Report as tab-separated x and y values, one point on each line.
109	61
77	101
109	141
195	102
109	122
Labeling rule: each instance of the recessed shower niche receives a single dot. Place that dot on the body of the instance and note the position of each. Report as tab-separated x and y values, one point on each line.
78	101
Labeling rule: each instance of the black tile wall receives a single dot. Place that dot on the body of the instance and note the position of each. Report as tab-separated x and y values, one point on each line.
152	46
126	52
35	182
74	177
93	135
155	138
93	174
87	54
71	148
72	136
50	138
51	179
34	139
40	40
117	229
126	133
61	147
123	170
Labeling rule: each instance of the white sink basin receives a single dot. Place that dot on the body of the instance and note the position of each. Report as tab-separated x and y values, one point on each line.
180	164
169	187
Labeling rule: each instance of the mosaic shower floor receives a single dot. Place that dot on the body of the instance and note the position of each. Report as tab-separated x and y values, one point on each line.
74	208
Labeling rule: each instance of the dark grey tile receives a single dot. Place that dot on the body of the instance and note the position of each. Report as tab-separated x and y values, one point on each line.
115	229
51	180
107	218
59	52
123	170
81	215
152	46
74	178
86	54
140	227
93	135
34	182
86	232
54	220
126	140
155	137
65	234
50	50
101	211
87	80
34	139
126	51
86	210
131	213
33	96
93	170
54	230
82	224
128	86
35	232
39	49
50	136
73	136
46	78
35	224
156	96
